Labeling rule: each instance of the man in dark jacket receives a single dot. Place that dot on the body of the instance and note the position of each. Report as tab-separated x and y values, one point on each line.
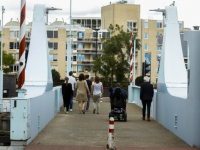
146	95
89	83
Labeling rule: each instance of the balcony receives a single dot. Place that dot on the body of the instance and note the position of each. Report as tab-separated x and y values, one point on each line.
85	62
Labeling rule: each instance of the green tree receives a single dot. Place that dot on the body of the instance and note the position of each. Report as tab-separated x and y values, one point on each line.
55	75
113	60
7	61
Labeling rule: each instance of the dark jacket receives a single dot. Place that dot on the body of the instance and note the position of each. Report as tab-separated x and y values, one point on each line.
67	90
123	92
146	91
89	83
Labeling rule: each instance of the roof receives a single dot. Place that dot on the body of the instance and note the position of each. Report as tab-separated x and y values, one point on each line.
58	23
12	23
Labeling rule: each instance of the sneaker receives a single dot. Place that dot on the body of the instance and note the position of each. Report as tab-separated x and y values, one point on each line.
66	112
83	111
70	110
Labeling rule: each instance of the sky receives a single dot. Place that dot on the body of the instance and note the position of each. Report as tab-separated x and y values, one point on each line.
188	10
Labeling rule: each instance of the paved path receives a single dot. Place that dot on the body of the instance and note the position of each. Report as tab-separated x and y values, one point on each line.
89	131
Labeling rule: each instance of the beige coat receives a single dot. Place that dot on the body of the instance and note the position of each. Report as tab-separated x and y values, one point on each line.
82	89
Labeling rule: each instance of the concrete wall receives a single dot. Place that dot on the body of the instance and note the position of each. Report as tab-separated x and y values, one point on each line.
43	109
177	103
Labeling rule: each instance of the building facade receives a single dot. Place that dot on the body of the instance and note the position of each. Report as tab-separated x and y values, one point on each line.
128	16
84	49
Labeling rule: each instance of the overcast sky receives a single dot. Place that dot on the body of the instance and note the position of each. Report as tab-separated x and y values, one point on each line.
188	10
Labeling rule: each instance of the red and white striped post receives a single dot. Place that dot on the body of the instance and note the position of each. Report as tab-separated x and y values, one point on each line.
21	72
110	144
131	58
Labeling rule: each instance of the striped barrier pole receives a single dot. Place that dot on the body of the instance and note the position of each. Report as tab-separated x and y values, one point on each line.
21	72
131	58
110	144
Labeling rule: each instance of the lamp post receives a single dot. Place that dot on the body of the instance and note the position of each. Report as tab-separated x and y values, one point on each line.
96	30
69	44
47	12
1	71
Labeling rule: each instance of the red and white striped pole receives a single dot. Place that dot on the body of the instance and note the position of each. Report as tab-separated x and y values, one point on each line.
21	72
110	144
131	58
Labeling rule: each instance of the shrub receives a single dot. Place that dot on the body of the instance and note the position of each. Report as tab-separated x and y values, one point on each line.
139	80
55	75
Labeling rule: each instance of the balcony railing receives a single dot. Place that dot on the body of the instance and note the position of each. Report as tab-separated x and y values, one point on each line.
88	50
85	62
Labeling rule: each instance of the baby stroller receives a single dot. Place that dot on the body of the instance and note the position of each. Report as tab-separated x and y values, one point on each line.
118	106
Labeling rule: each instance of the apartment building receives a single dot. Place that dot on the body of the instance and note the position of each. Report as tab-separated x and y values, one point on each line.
83	49
128	15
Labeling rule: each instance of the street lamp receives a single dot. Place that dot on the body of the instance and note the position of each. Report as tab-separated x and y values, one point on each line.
1	71
135	31
47	12
96	46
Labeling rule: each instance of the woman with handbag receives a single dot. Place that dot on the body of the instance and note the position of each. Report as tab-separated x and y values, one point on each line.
82	91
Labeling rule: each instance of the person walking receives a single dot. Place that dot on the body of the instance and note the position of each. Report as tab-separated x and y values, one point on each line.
67	93
72	80
89	83
146	95
82	91
96	93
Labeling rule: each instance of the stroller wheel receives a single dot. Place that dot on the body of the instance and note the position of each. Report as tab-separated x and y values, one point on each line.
118	118
125	117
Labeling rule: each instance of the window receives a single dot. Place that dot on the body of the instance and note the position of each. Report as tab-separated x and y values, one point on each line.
79	68
157	71
159	25
81	35
52	34
14	34
94	23
14	68
158	57
73	34
99	23
28	35
95	34
80	46
131	25
83	57
145	47
14	45
74	46
180	25
53	46
106	35
158	48
146	35
53	57
73	58
74	68
88	23
79	57
146	24
54	67
16	56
